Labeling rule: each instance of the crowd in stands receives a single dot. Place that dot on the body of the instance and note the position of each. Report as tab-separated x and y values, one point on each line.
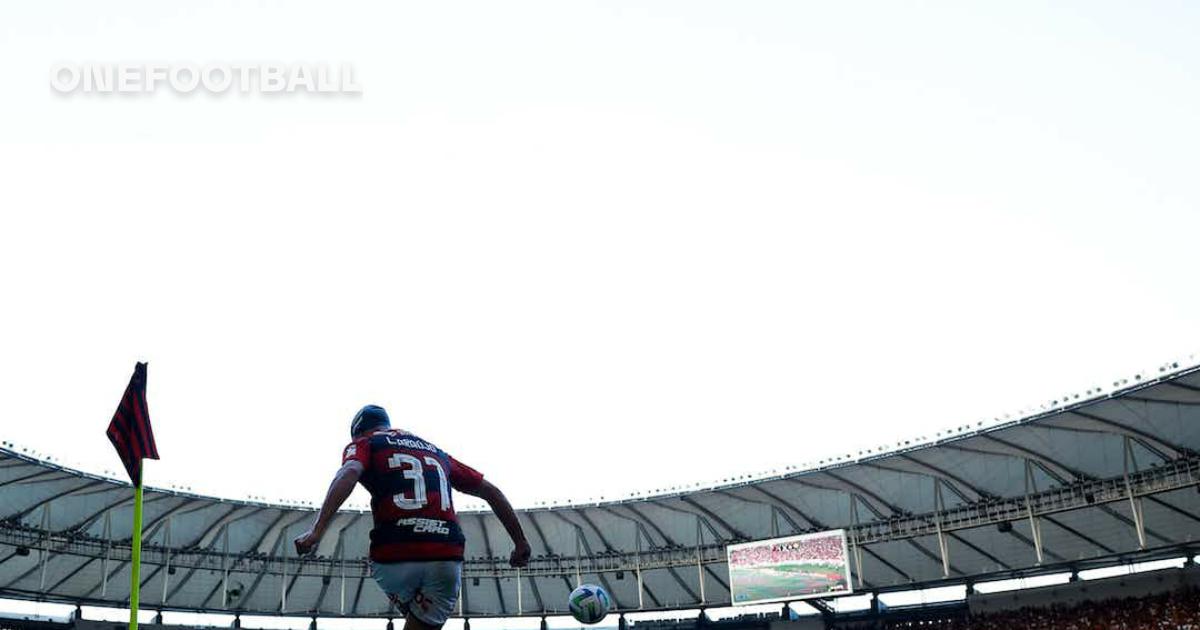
820	549
1179	610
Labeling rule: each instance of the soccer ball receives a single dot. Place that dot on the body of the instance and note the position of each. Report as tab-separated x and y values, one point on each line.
589	603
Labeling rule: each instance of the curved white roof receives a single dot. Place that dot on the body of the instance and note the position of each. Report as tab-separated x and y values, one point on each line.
1077	470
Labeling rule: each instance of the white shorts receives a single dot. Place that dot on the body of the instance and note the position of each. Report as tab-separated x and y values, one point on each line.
427	590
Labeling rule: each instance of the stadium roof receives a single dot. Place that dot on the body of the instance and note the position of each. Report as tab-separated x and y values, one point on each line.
1103	478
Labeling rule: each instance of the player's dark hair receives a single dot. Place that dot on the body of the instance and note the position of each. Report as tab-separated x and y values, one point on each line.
367	418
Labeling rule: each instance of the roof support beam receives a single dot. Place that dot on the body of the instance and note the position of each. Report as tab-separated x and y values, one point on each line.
1180	511
537	527
255	547
785	504
151	530
537	593
276	547
218	528
652	524
716	535
1135	506
339	551
487	545
1162	401
639	533
973	547
1035	526
817	524
45	551
1162	448
39	473
607	547
955	482
599	533
212	531
1016	450
866	504
91	518
581	538
1054	471
776	511
700	560
23	513
1183	386
714	516
858	488
941	536
856	548
674	574
893	509
153	526
358	593
1076	533
49	554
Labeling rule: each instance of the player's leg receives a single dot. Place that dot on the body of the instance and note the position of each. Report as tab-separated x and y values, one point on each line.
412	622
434	601
400	581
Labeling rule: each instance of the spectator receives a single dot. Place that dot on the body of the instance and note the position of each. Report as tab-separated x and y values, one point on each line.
823	549
1179	610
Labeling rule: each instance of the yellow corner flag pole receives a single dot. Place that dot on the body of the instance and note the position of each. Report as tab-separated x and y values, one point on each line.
134	579
131	434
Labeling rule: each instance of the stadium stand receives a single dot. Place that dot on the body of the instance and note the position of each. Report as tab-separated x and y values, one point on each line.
1179	610
1100	479
31	624
1166	600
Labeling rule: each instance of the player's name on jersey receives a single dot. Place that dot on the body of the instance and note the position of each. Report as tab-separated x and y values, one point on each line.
425	525
407	442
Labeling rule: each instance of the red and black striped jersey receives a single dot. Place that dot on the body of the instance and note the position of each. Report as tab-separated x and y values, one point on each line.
411	482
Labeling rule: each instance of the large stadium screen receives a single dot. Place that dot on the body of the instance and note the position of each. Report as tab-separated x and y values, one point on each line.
796	567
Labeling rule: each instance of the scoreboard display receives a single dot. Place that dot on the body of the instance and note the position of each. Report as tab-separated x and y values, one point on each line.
795	567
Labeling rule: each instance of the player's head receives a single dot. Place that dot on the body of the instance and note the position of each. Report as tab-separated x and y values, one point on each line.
367	418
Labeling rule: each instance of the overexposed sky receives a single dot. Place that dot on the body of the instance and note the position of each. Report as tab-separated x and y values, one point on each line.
590	247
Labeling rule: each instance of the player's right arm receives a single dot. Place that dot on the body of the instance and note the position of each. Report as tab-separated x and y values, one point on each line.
354	460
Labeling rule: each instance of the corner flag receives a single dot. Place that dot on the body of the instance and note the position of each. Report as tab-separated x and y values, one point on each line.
130	430
133	438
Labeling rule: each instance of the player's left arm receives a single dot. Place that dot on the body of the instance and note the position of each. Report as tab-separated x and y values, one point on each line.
466	479
339	491
508	517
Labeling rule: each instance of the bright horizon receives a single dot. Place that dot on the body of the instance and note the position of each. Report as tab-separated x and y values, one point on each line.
590	248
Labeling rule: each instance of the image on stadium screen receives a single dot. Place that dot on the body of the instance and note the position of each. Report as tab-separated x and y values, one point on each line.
796	567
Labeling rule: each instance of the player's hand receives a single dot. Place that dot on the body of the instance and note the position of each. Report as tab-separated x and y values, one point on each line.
520	554
307	541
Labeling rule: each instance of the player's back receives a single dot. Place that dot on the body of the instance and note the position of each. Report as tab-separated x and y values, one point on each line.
411	482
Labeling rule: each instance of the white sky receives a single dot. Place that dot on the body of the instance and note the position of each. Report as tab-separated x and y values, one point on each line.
591	248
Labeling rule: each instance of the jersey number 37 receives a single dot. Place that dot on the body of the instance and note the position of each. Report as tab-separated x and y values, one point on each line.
413	469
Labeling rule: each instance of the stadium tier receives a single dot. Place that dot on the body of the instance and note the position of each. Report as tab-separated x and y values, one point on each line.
1095	480
1155	600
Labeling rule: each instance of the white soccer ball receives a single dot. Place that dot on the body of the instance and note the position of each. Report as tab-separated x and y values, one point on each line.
589	603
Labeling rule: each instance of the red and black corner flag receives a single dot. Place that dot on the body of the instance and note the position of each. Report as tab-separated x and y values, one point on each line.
130	430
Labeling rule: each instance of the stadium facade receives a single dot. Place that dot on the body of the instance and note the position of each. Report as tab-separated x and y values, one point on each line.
1097	479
